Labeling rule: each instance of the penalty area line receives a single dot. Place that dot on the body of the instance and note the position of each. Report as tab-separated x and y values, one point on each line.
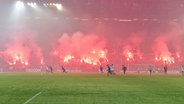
32	98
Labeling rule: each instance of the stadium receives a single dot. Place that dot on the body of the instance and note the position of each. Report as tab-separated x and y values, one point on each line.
91	51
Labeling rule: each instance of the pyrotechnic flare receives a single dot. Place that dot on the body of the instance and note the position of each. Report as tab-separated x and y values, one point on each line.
88	49
24	51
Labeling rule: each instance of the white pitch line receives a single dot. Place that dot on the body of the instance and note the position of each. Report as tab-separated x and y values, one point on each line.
32	98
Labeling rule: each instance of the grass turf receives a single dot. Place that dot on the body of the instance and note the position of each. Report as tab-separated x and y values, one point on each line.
17	88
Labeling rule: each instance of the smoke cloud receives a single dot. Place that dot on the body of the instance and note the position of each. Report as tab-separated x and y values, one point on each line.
22	49
86	48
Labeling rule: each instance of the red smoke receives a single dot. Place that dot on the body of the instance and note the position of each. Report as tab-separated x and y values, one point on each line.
131	48
161	44
127	52
17	53
22	50
81	48
167	46
162	52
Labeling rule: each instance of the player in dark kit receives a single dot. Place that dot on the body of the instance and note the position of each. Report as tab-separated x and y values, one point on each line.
63	69
49	69
165	69
101	68
108	70
182	69
124	68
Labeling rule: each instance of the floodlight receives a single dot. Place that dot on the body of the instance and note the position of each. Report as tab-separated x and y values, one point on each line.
44	4
59	6
19	4
33	5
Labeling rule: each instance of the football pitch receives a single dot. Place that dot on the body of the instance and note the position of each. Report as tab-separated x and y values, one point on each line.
23	88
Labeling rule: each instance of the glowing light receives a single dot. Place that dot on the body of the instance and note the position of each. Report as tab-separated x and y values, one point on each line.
55	53
89	60
56	5
128	59
10	63
122	20
41	62
156	58
88	52
26	63
165	59
131	53
102	54
178	55
17	57
67	58
128	55
94	52
94	57
19	5
16	54
44	4
33	5
59	6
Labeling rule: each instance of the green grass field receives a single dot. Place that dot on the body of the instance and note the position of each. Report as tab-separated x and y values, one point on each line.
17	88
